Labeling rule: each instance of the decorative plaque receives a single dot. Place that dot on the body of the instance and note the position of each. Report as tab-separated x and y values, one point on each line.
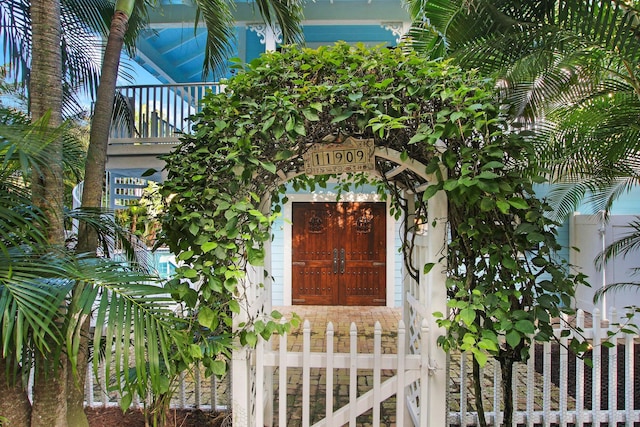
352	155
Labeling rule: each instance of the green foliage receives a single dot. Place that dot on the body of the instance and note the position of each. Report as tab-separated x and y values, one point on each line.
506	285
251	138
571	66
47	292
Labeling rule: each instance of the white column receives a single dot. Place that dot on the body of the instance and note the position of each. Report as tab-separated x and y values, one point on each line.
271	38
243	358
435	297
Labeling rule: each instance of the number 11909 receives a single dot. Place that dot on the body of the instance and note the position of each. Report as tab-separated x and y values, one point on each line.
339	157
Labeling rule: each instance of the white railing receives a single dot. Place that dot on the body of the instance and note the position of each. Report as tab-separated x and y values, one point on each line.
157	113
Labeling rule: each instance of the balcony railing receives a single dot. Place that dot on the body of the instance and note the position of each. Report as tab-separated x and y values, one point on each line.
157	113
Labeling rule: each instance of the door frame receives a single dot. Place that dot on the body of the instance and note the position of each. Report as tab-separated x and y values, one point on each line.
330	197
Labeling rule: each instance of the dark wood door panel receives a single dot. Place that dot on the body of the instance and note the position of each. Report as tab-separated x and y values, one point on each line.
365	286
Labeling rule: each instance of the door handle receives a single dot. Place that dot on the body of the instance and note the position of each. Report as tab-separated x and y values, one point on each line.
335	261
342	261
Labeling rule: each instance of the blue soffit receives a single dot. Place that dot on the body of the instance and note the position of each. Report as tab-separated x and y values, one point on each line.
173	51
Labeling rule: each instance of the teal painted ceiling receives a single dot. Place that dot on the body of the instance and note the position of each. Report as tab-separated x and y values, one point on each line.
172	51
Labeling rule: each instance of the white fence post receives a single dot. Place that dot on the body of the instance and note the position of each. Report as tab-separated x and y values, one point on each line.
306	373
353	374
596	383
377	351
329	375
629	379
400	392
282	388
240	390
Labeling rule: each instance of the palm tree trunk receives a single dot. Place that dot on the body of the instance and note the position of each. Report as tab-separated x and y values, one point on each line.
46	98
100	126
49	390
92	192
76	417
14	405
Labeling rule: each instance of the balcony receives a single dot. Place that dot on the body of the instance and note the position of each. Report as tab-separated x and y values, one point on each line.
156	116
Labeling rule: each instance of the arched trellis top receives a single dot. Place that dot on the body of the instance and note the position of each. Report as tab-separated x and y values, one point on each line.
253	137
250	139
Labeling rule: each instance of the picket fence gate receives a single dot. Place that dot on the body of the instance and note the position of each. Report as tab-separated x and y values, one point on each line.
554	387
407	367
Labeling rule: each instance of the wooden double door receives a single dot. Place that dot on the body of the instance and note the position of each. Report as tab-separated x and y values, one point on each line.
339	253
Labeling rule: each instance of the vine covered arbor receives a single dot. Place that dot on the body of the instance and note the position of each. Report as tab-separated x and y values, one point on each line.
415	129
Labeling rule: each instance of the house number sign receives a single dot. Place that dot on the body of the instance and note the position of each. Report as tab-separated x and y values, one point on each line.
352	155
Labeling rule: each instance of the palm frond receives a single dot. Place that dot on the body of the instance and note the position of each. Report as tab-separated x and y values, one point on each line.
519	28
123	121
597	192
139	325
533	46
33	287
424	38
16	25
630	242
564	199
287	14
84	23
20	223
217	17
603	196
115	240
614	287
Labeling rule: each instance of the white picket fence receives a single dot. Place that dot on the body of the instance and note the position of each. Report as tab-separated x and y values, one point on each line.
554	388
191	391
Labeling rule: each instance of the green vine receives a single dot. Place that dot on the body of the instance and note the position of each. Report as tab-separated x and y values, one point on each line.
246	139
